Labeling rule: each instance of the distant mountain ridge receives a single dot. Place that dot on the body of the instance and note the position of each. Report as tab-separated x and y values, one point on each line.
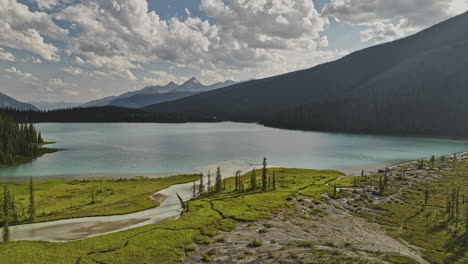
157	94
9	102
142	100
415	85
53	105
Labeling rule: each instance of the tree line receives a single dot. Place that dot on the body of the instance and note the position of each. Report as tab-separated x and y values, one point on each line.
267	182
100	115
9	211
17	140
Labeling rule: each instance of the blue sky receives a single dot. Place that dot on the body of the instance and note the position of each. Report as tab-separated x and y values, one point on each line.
80	50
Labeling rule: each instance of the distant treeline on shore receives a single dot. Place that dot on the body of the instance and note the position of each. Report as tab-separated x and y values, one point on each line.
100	115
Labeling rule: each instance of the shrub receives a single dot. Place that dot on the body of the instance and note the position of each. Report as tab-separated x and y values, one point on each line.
255	243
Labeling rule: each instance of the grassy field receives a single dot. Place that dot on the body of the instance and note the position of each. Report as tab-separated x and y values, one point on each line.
167	242
63	198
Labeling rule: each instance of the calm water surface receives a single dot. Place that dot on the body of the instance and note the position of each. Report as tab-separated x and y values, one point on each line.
140	149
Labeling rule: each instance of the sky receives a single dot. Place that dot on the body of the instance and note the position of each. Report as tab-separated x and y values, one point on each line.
81	50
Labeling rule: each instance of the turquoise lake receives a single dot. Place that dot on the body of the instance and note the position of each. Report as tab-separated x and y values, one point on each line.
153	149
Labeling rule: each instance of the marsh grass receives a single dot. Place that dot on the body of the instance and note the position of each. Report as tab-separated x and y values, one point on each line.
166	242
63	198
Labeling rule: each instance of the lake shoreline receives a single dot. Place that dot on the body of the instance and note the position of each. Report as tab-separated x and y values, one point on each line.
26	159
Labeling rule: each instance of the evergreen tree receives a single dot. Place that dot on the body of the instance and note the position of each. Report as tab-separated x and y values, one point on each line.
32	205
264	175
218	180
253	181
241	183
426	198
16	140
274	181
209	182
194	194
6	230
201	187
6	214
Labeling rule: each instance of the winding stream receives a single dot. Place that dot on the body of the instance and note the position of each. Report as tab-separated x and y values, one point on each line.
78	228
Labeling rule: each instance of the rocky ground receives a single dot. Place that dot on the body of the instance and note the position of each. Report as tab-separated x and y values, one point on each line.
328	231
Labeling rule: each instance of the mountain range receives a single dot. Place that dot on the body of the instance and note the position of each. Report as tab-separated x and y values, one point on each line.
8	102
157	94
415	85
53	105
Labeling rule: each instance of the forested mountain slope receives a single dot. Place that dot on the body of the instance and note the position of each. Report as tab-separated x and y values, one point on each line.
142	100
415	85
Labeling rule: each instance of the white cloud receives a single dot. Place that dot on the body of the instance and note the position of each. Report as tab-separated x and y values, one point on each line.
47	4
6	56
58	86
210	76
96	92
162	78
26	76
118	39
117	36
24	30
380	15
79	61
73	70
384	32
36	60
267	23
323	42
99	74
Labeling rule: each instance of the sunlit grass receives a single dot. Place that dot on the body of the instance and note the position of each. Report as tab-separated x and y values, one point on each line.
62	198
166	242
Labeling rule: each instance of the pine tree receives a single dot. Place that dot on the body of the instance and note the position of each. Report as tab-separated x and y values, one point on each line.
381	186
17	140
194	194
426	198
274	181
264	175
6	230
218	180
32	206
237	181
253	181
201	187
241	184
269	181
209	182
6	214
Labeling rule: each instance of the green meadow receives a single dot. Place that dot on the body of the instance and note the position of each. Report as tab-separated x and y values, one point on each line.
69	198
167	242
